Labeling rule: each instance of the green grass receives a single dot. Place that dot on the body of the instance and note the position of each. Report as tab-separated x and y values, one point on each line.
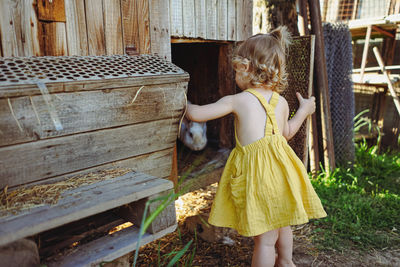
362	202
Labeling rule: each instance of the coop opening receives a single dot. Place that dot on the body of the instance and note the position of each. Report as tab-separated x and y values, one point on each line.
211	77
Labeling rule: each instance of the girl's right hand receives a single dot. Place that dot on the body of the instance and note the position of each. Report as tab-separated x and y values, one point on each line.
306	105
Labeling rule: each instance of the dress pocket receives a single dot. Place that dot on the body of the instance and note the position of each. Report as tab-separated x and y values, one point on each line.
238	191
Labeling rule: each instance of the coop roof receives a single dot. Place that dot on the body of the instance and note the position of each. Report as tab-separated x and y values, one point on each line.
51	69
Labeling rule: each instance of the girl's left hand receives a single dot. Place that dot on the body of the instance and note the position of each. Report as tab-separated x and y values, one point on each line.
306	105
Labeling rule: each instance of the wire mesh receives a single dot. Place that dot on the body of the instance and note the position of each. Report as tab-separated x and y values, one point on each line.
344	10
298	67
338	51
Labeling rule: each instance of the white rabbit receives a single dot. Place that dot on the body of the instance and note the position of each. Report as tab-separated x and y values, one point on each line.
193	134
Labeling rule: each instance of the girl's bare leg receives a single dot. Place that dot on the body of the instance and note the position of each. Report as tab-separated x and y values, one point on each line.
284	246
264	249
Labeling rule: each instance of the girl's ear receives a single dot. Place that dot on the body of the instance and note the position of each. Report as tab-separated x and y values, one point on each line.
243	66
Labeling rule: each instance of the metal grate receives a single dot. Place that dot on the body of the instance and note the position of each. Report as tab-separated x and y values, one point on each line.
298	67
29	70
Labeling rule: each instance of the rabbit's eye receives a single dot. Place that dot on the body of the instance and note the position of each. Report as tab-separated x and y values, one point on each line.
190	134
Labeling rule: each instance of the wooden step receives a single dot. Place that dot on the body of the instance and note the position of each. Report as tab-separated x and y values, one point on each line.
107	248
83	202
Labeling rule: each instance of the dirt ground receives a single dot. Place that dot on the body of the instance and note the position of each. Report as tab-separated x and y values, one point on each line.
226	248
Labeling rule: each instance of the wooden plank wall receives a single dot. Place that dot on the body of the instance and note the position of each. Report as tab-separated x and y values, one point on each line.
222	20
83	27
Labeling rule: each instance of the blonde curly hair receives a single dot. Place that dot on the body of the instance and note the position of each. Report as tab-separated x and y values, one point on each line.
264	54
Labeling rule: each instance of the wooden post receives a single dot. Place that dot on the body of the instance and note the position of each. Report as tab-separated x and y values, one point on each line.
174	169
313	140
322	85
355	9
365	52
303	17
386	75
226	86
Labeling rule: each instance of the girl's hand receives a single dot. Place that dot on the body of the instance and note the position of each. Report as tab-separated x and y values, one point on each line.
306	105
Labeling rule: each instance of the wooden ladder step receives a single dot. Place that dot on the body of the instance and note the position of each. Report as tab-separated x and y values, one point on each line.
82	202
107	248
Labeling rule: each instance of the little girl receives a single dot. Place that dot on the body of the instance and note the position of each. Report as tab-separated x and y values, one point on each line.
264	187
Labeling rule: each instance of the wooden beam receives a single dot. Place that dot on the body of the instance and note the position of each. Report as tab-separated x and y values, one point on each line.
226	86
365	51
382	31
196	40
394	67
355	10
108	248
322	85
313	140
386	75
174	169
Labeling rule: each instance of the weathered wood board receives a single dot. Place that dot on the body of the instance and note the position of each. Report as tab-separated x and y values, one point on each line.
222	23
211	19
144	26
56	156
51	10
76	27
113	27
82	202
200	15
79	112
109	248
144	163
95	27
130	23
189	28
160	38
221	20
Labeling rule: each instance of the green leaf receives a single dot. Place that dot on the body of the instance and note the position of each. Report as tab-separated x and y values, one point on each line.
179	254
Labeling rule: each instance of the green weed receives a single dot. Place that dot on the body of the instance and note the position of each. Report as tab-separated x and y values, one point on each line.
362	202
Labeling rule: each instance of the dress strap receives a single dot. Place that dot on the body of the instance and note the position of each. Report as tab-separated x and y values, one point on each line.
271	127
274	99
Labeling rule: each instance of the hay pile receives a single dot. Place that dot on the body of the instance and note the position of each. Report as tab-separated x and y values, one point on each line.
25	198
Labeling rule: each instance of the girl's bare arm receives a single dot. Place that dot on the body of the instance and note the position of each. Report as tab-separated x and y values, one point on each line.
212	111
306	108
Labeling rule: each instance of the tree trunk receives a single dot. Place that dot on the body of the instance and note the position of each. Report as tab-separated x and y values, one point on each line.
282	12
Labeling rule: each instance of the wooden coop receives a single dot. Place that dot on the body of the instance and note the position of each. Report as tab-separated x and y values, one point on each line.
89	118
87	132
93	142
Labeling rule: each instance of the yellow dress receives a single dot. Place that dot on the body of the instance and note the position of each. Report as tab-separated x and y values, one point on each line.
264	185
